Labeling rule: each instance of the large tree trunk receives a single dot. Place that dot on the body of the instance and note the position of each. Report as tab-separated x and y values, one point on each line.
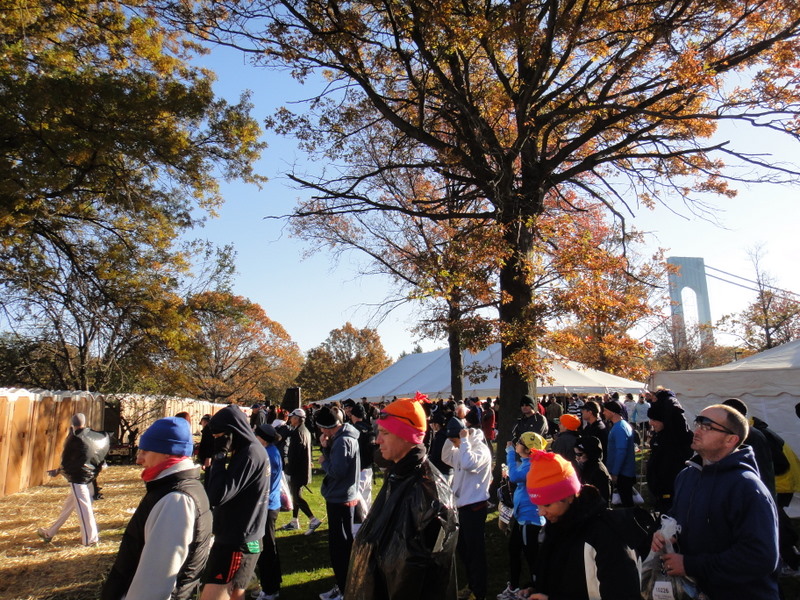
515	307
456	359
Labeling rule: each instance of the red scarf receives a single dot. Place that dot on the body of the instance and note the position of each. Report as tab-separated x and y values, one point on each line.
151	473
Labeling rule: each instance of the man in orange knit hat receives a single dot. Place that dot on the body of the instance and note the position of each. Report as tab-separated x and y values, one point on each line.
405	549
578	530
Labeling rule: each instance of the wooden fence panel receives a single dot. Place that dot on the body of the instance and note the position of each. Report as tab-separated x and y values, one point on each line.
34	426
5	416
18	440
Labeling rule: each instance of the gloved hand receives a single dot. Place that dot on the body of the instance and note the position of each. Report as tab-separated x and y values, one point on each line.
222	445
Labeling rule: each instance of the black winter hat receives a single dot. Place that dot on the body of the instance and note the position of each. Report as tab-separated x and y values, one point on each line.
326	418
527	400
590	446
454	427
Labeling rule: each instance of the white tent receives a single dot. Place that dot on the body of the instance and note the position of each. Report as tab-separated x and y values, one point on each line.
767	382
429	373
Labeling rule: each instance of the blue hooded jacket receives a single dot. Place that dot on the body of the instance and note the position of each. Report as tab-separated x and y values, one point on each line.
729	528
525	512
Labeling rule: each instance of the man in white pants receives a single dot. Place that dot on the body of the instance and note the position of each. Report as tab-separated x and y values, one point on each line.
81	461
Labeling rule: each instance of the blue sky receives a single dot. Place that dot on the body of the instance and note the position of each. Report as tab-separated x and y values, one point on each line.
311	295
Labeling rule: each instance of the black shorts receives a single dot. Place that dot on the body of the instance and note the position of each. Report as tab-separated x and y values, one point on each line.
229	565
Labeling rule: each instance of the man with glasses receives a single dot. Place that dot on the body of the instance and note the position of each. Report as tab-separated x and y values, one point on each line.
729	526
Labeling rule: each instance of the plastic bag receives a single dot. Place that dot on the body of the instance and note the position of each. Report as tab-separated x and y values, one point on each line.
637	498
286	495
656	584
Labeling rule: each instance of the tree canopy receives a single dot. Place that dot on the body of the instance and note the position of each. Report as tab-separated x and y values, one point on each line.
111	147
348	356
521	101
236	352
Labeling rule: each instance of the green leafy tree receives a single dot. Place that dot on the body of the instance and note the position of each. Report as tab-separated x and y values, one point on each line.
347	357
110	143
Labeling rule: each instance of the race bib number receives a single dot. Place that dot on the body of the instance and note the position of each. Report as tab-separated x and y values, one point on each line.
662	590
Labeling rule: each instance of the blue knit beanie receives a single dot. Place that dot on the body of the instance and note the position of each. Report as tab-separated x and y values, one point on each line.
170	435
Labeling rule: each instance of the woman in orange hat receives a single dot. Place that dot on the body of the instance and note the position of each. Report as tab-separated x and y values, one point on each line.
581	555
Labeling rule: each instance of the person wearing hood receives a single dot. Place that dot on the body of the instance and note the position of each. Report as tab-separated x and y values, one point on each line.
341	463
468	454
166	542
581	555
237	485
591	470
405	549
729	524
669	450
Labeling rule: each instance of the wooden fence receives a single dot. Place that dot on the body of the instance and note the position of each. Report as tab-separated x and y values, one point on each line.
34	425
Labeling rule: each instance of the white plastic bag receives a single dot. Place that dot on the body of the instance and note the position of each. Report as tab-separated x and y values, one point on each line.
656	584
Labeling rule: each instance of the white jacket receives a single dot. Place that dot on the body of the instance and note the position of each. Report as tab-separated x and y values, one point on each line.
472	468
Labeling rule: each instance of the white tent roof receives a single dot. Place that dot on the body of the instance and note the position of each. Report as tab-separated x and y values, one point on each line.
429	373
770	373
767	382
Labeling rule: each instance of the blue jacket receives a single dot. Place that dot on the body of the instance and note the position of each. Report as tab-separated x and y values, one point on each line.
525	512
621	459
342	466
275	475
729	528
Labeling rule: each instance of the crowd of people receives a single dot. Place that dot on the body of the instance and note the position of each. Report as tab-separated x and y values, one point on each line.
207	521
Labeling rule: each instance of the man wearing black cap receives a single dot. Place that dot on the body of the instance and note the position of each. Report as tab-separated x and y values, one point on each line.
594	426
531	419
341	462
165	545
621	461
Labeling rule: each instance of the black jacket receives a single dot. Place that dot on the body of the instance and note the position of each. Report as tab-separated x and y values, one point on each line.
84	453
535	423
298	456
586	530
237	488
130	549
405	550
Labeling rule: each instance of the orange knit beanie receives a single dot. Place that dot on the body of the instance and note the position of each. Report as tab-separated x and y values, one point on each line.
551	478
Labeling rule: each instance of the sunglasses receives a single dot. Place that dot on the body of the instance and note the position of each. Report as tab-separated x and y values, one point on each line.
386	415
707	424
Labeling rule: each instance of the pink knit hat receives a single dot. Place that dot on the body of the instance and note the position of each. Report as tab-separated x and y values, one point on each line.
406	419
551	478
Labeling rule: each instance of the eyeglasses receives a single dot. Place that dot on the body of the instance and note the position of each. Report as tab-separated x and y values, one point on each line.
707	424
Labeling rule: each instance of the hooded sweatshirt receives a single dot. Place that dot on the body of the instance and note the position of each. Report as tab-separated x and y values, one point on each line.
238	488
472	468
342	466
729	528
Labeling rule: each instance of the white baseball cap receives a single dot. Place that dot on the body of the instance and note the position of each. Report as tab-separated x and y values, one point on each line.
298	412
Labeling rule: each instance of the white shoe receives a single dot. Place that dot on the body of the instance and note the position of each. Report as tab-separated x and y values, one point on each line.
332	594
265	596
508	594
313	524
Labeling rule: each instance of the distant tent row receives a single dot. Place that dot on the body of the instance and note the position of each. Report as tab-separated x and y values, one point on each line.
429	373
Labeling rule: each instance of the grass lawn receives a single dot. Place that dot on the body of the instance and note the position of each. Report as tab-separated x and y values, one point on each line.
64	570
